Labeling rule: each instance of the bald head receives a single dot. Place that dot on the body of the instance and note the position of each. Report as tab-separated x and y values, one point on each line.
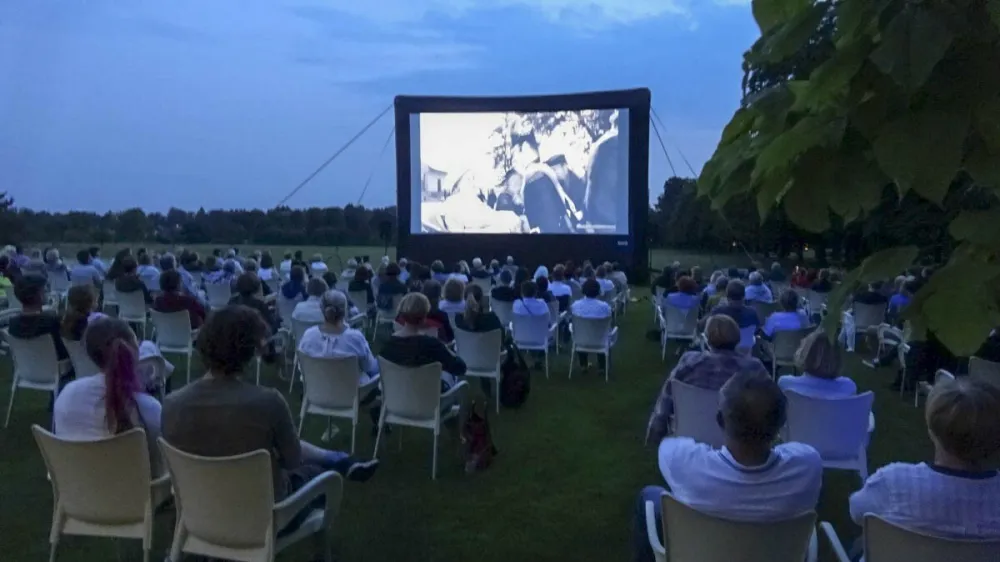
753	408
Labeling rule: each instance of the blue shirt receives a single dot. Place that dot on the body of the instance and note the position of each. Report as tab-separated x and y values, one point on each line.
531	307
898	302
682	301
744	316
817	387
784	322
85	274
759	293
150	276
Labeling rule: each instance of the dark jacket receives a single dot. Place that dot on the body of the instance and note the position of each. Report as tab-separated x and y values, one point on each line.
130	283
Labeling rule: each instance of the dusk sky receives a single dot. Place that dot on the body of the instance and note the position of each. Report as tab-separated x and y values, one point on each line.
106	105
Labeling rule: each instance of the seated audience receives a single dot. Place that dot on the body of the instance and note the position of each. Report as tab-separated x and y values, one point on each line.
33	320
777	274
114	400
750	479
704	369
128	281
54	265
295	288
221	414
409	348
333	338
872	295
529	304
267	271
540	271
8	273
665	280
116	268
247	291
473	318
438	273
362	283
225	275
169	263
789	317
34	266
317	267
147	272
436	318
310	311
504	292
957	495
478	271
618	277
454	292
899	301
348	273
173	299
544	294
800	278
717	295
560	289
391	288
591	306
757	291
460	272
686	297
819	361
822	283
746	318
85	272
607	286
285	267
81	306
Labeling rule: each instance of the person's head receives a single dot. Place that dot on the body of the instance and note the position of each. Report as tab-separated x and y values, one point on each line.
231	254
217	252
145	259
403	263
477	263
520	276
529	290
129	265
454	289
248	284
494	264
362	274
111	345
317	258
687	286
52	255
818	356
588	272
735	291
414	308
81	300
212	263
168	262
83	257
963	420
910	287
392	270
250	265
506	278
775	267
432	290
473	302
559	273
601	272
789	301
543	284
352	263
170	281
458	268
591	288
334	306
437	266
230	338
30	290
229	268
510	260
266	261
297	255
287	256
696	275
331	278
823	275
752	410
722	333
316	287
297	275
756	278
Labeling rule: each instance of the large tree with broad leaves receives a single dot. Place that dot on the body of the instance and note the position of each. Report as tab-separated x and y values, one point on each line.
907	99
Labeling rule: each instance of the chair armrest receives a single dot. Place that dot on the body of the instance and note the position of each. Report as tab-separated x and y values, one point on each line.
329	483
613	332
161	490
365	388
357	317
651	533
462	385
831	536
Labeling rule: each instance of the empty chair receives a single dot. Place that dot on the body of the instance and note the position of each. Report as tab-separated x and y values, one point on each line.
101	488
36	366
533	333
82	364
695	412
132	309
227	508
174	334
677	324
836	427
333	389
59	285
360	300
482	356
593	335
692	536
412	397
986	370
218	294
887	542
286	307
783	346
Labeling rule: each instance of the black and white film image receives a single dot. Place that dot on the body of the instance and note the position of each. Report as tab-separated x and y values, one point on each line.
560	172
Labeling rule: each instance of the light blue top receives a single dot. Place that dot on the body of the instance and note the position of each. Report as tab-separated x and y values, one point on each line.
817	387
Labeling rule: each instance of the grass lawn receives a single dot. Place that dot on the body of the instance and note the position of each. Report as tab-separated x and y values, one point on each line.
571	463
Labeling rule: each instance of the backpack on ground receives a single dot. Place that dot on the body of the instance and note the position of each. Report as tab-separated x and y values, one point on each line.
477	439
515	382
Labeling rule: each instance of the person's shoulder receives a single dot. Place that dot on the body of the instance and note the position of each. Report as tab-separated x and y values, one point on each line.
800	453
682	448
786	382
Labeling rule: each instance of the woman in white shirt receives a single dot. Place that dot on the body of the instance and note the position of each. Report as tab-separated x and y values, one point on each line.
112	401
318	267
334	339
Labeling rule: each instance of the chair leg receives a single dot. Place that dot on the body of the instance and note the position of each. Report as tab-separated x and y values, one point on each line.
546	362
189	367
572	358
434	457
378	434
498	394
295	369
354	432
302	417
10	404
52	550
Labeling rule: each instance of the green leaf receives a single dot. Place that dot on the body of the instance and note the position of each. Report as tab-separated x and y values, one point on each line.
801	206
923	151
961	318
860	181
982	164
769	193
740	125
772	106
854	17
912	44
831	80
993	6
887	263
987	122
810	131
978	227
772	13
789	37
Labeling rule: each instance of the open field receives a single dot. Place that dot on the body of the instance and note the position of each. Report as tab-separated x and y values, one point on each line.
570	464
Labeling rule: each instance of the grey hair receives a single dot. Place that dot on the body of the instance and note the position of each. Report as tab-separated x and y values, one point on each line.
317	287
477	263
510	260
352	263
52	255
168	261
250	265
756	278
334	305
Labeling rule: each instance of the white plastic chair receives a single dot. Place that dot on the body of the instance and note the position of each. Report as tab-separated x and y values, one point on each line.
102	488
940	376
592	335
333	389
817	302
412	397
110	294
695	412
36	366
867	317
783	346
532	332
132	309
360	300
887	542
677	324
504	311
226	507
386	317
482	355
218	295
985	370
484	283
174	334
657	299
59	285
285	308
692	536
836	427
82	365
298	329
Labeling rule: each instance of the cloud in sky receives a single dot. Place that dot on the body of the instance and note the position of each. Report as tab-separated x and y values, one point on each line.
110	104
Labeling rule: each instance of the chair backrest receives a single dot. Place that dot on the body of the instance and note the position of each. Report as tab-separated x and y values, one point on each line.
394	312
173	329
591	333
890	334
692	536
679	321
132	306
102	481
504	311
530	329
748	337
886	542
764	309
359	298
285	307
943	376
836	427
694	413
218	294
816	301
330	383
82	365
479	350
786	343
225	501
658	293
152	282
196	278
553	311
413	393
35	359
299	328
868	315
110	293
58	282
483	283
274	284
983	369
342	285
577	291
